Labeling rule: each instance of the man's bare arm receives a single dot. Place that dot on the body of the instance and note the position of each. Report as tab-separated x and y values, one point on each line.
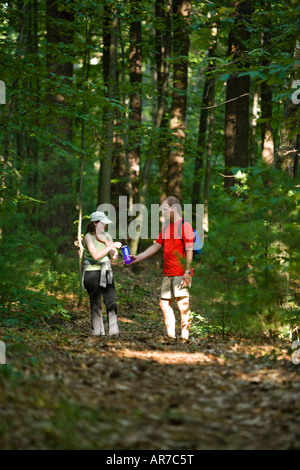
186	278
145	254
189	259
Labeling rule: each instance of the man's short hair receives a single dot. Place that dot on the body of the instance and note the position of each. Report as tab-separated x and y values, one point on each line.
171	200
174	201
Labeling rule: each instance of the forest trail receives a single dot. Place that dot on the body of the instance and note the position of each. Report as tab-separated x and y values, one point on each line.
64	389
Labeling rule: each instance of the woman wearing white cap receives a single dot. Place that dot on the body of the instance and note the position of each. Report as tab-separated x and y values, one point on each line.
98	276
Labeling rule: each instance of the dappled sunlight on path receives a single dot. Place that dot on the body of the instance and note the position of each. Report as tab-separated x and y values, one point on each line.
167	357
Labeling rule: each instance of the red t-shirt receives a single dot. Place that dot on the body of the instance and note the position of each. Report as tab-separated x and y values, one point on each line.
173	247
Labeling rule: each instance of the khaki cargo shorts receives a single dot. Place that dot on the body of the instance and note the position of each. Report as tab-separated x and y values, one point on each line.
171	288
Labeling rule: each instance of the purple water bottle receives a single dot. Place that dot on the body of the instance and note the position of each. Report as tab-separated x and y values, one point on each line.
126	255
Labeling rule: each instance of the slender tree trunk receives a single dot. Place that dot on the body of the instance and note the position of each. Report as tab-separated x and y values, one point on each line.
119	182
297	156
155	146
209	153
201	145
267	132
181	43
159	54
84	76
79	233
107	26
34	92
135	105
163	36
267	137
237	98
253	128
119	171
161	106
128	186
106	164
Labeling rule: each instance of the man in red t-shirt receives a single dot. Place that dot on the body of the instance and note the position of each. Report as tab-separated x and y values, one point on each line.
178	257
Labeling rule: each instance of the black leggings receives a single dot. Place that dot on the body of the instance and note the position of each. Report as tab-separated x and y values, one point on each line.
92	285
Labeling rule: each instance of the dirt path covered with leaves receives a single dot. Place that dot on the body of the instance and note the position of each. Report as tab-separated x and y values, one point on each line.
64	389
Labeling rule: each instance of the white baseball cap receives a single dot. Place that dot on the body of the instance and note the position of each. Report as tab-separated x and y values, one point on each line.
100	217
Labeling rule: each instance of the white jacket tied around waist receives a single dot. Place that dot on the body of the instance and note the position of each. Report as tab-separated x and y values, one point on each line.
105	268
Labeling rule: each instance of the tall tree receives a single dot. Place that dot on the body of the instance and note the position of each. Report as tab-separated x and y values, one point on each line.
34	92
155	144
209	154
163	45
135	105
206	98
104	187
181	44
254	128
267	137
61	210
211	121
237	94
119	181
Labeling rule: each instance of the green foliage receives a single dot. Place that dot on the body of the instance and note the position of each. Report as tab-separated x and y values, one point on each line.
250	263
31	289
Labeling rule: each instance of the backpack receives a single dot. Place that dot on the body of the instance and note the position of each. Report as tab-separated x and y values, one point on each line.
197	247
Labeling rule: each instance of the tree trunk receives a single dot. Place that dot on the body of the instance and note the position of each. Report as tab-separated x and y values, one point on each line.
34	92
253	128
161	107
267	138
79	232
118	165
209	155
201	145
211	102
120	171
119	184
107	25
237	98
84	76
160	112
60	211
163	45
297	156
104	190
135	105
181	43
